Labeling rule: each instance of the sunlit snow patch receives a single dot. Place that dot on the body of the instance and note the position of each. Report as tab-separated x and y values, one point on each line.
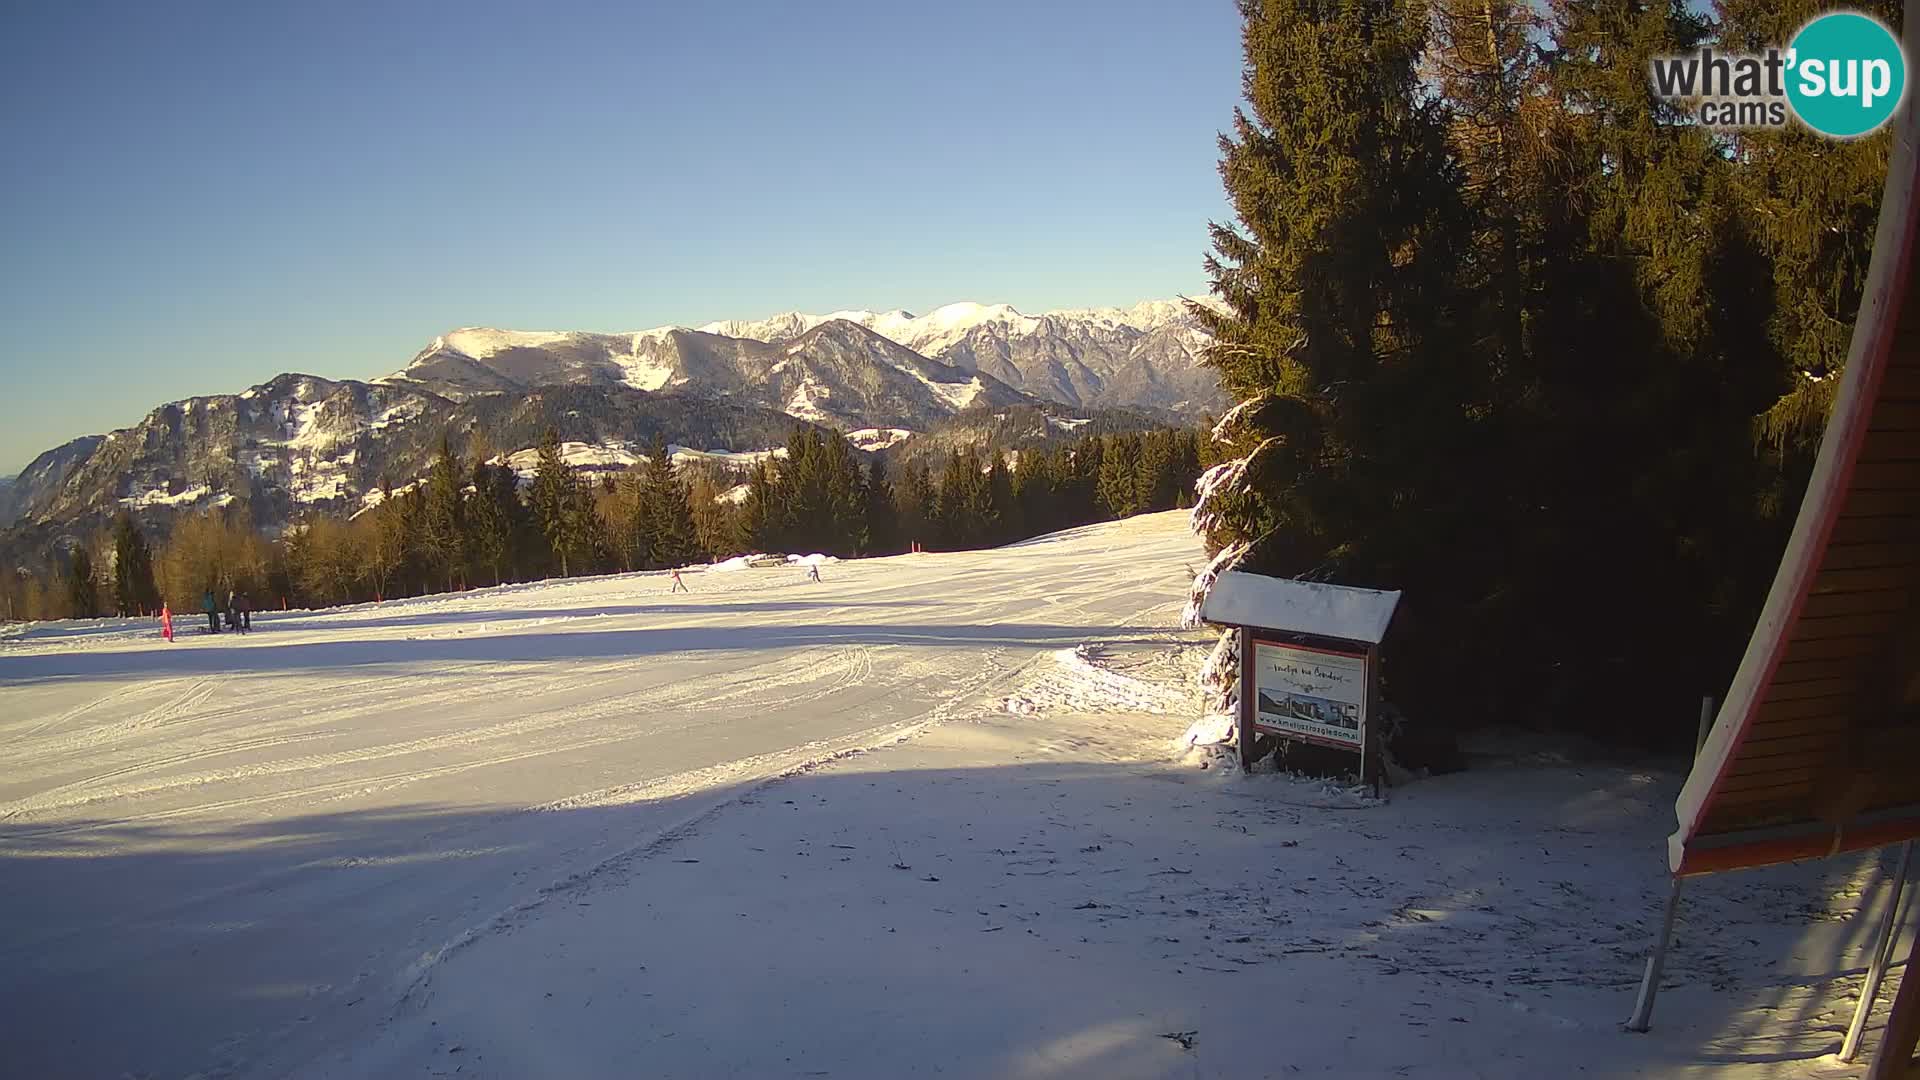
1076	682
160	497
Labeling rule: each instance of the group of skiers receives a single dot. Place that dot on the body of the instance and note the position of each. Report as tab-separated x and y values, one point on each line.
813	574
238	613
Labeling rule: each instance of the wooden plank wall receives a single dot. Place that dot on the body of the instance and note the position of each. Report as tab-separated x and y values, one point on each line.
1860	600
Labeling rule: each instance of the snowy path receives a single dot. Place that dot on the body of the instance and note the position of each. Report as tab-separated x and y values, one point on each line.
1046	897
233	851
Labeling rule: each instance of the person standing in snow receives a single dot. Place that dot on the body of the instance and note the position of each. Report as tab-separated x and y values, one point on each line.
678	585
213	612
813	571
233	609
245	606
166	621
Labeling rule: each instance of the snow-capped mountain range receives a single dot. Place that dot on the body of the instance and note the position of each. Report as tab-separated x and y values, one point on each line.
946	326
836	372
300	441
1146	356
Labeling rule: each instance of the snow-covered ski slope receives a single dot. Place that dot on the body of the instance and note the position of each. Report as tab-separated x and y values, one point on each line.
226	846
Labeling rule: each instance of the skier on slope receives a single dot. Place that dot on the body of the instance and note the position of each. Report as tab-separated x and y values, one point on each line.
244	606
678	585
166	621
813	571
213	611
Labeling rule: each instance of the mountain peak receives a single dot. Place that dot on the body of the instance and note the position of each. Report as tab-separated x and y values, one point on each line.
772	328
970	313
480	342
838	325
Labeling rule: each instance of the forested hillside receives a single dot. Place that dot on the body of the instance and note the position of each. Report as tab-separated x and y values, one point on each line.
478	519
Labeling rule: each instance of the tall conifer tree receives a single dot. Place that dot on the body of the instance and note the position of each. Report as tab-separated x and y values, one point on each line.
83	590
443	524
134	591
557	504
669	517
1340	335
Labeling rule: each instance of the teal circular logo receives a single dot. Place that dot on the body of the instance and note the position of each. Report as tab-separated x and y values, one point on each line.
1847	74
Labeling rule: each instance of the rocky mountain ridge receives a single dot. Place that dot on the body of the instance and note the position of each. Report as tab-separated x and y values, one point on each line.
1144	357
301	442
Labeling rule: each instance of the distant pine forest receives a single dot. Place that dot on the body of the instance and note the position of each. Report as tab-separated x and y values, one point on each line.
476	523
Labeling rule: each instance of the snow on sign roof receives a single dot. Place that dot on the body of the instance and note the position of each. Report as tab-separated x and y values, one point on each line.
1306	607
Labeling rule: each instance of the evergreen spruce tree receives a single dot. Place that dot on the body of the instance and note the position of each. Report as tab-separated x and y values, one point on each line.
1155	485
1563	333
1080	482
845	532
669	517
491	518
1033	491
1499	329
977	511
958	516
1507	135
1341	337
763	519
1119	478
443	524
585	542
1001	511
1186	467
914	502
1811	204
821	497
83	591
882	519
1663	358
417	573
556	502
134	590
1036	488
802	480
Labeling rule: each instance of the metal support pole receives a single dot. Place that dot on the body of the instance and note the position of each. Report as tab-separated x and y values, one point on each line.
1650	984
1249	700
1882	953
1367	707
1893	1058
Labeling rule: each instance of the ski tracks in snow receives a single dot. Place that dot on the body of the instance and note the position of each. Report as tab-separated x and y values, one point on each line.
449	753
333	716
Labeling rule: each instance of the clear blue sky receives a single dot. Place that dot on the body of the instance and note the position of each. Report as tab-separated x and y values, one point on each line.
196	197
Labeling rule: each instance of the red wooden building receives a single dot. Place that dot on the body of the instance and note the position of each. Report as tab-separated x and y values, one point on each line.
1816	750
